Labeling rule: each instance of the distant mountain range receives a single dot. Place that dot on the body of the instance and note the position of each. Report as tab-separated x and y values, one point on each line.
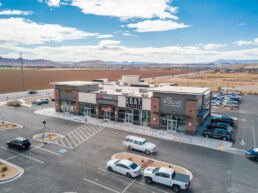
100	63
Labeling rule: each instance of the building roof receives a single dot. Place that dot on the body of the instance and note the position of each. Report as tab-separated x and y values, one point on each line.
74	83
180	90
135	138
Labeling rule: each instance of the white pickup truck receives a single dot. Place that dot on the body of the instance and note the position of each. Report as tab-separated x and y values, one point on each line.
140	144
168	177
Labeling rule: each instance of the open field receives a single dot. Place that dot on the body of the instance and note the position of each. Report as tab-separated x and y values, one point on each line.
246	82
39	79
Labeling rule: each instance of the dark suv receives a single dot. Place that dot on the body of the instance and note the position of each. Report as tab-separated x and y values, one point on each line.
223	119
219	125
217	133
19	143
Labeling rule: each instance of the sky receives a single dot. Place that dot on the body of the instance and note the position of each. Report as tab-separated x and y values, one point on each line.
164	31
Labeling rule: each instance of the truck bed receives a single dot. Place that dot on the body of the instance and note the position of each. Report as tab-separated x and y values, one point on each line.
181	177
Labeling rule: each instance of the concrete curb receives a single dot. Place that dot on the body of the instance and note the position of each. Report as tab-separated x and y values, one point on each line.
187	171
19	174
50	141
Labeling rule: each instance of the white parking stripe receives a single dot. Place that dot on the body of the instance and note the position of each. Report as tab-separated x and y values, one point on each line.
24	155
12	157
71	147
101	185
253	133
151	187
69	134
46	150
73	132
83	134
62	141
79	135
128	186
95	128
87	131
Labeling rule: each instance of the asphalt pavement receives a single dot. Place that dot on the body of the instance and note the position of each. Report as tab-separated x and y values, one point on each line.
82	169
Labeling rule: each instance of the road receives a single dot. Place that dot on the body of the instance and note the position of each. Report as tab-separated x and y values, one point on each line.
82	169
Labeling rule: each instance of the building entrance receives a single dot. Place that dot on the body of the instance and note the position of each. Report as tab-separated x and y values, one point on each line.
129	118
87	111
107	115
171	125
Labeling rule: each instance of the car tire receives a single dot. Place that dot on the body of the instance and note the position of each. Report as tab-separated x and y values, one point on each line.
147	152
207	136
148	180
128	175
130	148
110	168
176	188
224	138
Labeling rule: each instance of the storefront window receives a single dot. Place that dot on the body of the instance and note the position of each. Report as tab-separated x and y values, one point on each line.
121	115
134	116
172	123
87	109
107	113
66	106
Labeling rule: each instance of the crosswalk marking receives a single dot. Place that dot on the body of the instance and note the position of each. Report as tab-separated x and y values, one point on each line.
77	136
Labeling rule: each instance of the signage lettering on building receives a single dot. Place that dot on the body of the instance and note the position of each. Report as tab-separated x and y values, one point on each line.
66	90
169	101
105	97
134	102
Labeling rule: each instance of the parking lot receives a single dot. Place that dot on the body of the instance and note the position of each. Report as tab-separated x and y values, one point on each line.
80	165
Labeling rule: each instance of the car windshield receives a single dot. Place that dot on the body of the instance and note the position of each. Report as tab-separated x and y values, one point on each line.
144	142
155	170
133	166
117	161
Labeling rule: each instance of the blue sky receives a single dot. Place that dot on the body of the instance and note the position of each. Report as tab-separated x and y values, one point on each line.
178	31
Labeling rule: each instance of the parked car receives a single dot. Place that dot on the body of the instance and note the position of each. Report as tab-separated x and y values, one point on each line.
252	154
37	102
53	99
218	133
125	167
19	143
140	144
222	96
168	177
44	101
223	119
32	92
219	125
215	103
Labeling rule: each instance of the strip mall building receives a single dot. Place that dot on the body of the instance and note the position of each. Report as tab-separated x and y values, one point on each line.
130	101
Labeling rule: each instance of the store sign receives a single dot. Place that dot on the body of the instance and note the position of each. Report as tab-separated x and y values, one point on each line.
170	102
134	102
105	97
66	90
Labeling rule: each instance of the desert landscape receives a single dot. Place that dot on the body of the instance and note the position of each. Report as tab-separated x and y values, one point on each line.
11	80
246	82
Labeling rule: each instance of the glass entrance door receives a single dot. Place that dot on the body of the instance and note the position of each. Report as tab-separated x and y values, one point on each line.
129	118
87	111
171	125
107	115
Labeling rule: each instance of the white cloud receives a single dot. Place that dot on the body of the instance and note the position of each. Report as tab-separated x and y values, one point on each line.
105	36
127	8
22	31
53	3
242	24
112	50
241	42
0	4
126	34
214	46
15	12
156	25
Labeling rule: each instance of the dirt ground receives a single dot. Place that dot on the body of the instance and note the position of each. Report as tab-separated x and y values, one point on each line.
7	125
11	81
49	136
9	173
141	161
246	82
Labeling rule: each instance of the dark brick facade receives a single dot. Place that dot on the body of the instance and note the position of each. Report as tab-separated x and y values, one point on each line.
57	101
75	102
155	104
191	117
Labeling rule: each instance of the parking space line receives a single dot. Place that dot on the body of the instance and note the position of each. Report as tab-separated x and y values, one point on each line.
101	185
75	138
151	187
79	135
95	128
86	130
62	141
89	130
83	134
12	157
24	155
72	140
128	186
70	146
39	147
253	133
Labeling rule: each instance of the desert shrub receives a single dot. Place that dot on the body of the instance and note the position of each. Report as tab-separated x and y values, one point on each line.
170	166
14	103
4	169
142	160
130	158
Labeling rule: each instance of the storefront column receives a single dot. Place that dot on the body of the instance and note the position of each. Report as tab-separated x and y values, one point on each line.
97	111
116	114
154	122
57	100
210	103
191	117
75	103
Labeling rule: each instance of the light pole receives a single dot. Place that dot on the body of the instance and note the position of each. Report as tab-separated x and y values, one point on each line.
22	72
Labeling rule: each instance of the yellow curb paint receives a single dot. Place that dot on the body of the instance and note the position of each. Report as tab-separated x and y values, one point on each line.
221	148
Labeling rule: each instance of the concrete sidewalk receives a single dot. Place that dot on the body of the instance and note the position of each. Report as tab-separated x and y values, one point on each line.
163	134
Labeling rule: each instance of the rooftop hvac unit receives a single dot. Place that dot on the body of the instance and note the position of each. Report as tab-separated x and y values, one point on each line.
144	95
103	92
118	90
142	90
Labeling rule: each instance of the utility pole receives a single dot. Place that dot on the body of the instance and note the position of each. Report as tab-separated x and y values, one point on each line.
22	72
